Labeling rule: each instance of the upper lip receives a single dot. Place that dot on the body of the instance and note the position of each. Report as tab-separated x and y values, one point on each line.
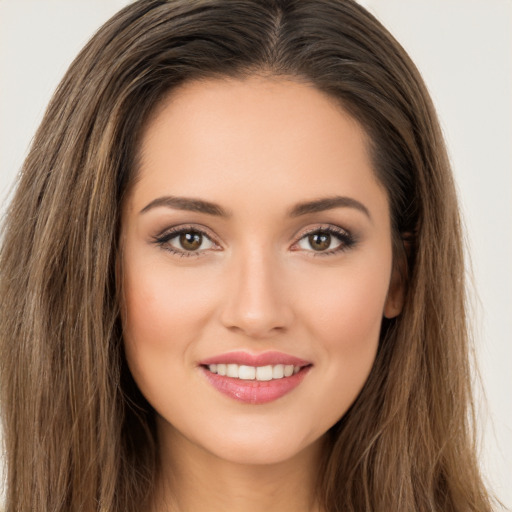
262	359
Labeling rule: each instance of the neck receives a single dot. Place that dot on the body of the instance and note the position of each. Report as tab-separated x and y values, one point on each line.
194	480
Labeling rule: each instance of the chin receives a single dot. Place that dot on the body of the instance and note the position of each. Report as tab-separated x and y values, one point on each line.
260	448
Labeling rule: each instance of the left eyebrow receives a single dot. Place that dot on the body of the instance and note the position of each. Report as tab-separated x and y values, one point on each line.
328	203
187	203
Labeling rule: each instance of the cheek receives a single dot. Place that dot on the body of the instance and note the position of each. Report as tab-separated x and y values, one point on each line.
348	306
345	319
163	312
162	304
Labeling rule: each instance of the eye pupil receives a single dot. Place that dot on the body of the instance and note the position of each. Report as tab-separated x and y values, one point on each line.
319	241
191	241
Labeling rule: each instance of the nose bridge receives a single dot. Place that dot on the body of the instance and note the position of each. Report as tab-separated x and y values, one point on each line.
257	303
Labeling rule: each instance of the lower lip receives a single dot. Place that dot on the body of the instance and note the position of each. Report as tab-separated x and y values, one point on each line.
255	391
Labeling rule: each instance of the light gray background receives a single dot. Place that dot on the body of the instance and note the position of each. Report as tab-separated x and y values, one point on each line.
464	50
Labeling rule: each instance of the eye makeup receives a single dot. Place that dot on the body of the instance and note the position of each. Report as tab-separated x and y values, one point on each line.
194	241
320	240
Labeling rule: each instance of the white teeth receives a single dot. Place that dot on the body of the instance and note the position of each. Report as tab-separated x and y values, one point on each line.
264	373
246	372
232	370
278	371
261	373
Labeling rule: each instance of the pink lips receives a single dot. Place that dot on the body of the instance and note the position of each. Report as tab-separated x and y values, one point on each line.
254	391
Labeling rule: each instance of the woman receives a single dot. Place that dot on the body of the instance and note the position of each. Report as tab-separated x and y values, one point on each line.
232	274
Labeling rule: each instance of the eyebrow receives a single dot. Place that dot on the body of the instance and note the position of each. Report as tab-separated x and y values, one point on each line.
328	203
188	204
201	206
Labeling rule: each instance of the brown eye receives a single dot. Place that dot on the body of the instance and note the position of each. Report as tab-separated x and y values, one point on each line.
327	240
191	241
186	242
319	241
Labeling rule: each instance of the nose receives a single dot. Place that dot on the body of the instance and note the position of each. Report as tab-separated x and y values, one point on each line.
257	301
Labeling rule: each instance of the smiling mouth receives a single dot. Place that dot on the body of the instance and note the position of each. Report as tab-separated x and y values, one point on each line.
259	373
255	384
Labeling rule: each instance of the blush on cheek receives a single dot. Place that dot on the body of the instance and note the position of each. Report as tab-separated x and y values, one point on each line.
350	311
154	300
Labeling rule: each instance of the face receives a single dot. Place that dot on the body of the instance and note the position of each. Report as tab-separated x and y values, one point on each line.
256	267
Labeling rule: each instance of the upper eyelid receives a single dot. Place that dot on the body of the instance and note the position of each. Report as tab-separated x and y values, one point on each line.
330	228
176	230
325	227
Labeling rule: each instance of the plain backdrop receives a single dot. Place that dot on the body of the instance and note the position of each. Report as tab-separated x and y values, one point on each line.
463	49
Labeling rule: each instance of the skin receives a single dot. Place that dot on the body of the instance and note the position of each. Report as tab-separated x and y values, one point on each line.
256	147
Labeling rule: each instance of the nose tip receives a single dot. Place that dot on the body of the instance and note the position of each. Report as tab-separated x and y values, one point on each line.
253	327
257	304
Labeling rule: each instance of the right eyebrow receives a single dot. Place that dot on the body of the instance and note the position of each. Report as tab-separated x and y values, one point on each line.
187	204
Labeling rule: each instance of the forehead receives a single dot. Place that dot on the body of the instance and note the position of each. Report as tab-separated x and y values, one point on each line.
257	137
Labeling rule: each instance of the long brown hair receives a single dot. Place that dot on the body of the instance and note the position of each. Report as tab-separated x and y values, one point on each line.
78	434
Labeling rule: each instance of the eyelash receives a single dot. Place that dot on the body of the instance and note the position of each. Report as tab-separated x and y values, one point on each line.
163	240
346	239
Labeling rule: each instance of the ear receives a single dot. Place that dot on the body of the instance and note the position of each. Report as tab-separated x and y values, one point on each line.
396	293
398	282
